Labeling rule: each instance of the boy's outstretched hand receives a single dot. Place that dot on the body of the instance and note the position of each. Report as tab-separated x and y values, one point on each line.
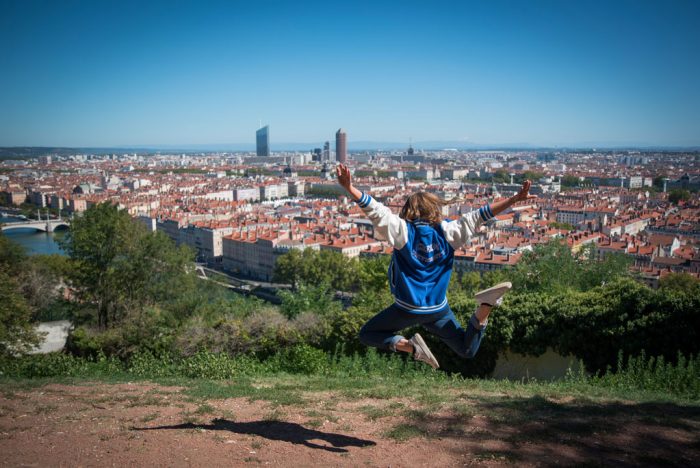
345	180
344	177
524	193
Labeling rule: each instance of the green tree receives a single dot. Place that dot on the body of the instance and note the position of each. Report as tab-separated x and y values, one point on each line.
11	255
565	226
682	283
470	282
530	175
677	195
549	267
501	176
658	182
317	299
570	181
121	266
16	332
596	272
288	268
553	268
373	273
317	267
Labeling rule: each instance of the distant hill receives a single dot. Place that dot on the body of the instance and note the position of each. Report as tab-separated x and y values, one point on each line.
26	152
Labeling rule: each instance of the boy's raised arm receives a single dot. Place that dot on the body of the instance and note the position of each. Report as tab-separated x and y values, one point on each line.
522	195
345	180
387	225
459	232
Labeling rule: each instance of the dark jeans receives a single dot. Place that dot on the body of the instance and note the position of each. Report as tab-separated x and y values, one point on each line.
381	331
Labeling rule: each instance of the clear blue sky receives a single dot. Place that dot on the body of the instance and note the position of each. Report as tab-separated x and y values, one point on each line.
101	73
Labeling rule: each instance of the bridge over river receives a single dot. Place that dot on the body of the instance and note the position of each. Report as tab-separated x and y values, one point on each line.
40	225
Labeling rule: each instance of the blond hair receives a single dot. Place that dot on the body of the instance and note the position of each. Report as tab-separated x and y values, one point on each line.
423	205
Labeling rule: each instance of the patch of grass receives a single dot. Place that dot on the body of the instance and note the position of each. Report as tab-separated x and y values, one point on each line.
430	397
420	415
279	395
148	400
228	415
377	393
404	432
274	415
149	417
374	412
44	409
494	456
190	418
396	405
9	395
314	423
205	409
256	445
463	410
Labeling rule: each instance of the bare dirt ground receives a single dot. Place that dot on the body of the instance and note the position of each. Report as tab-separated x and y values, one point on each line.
143	424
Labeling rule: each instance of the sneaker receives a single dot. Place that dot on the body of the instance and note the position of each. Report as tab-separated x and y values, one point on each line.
421	352
493	296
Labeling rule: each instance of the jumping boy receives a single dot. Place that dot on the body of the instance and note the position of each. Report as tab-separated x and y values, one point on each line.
420	270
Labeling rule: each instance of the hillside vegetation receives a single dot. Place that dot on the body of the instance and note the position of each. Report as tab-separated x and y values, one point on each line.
136	303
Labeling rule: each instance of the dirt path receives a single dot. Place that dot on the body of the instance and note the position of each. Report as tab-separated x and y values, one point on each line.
148	425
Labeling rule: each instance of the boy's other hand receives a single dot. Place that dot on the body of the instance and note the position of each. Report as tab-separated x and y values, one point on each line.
343	173
524	193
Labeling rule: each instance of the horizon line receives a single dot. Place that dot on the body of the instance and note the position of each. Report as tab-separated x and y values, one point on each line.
428	145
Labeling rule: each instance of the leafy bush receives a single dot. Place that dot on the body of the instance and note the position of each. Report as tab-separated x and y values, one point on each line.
307	298
300	359
147	329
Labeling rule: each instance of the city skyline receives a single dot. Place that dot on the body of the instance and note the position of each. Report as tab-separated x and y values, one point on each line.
498	74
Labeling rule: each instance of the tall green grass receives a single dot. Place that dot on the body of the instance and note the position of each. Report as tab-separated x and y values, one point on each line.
635	374
642	373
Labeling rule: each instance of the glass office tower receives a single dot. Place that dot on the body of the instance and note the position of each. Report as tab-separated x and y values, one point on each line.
262	141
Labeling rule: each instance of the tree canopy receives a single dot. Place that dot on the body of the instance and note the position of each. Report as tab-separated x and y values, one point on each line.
553	268
119	265
16	332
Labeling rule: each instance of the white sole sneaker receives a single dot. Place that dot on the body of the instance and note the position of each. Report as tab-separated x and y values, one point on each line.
421	352
491	295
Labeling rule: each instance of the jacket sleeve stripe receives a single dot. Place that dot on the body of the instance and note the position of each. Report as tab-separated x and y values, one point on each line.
364	200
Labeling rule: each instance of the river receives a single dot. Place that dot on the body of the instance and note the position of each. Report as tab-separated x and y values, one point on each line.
34	242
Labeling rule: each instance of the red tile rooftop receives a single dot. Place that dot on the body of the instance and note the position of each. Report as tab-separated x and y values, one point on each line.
491	258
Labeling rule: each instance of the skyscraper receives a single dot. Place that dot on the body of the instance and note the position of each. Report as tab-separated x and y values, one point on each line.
326	151
262	141
341	146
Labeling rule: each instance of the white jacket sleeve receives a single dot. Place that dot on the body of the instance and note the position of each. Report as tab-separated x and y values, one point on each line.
387	225
460	231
